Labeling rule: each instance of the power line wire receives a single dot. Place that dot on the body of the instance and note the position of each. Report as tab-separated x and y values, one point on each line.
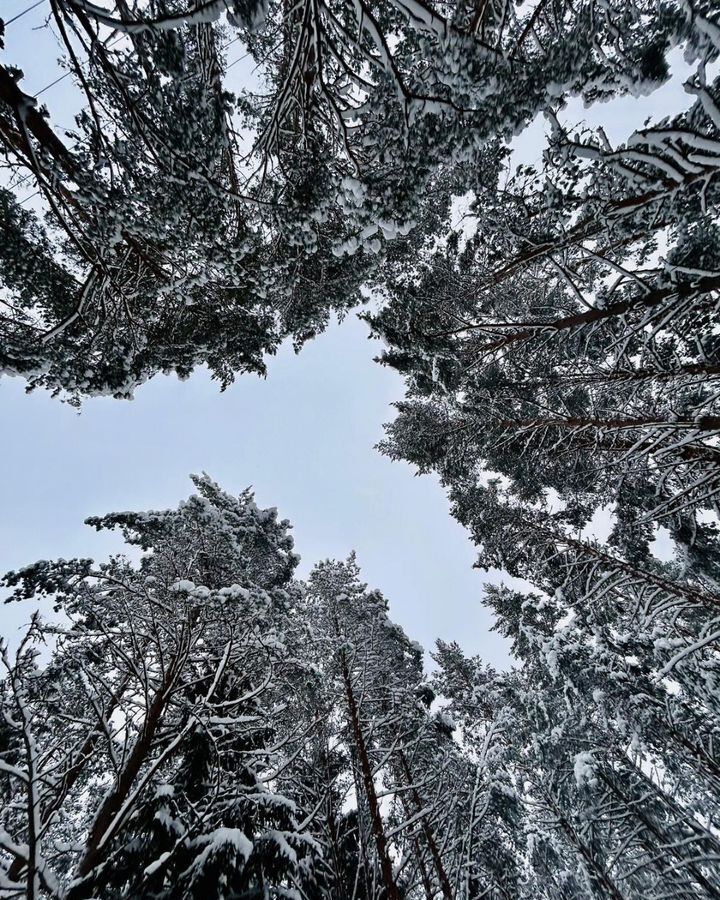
112	44
21	202
239	59
24	12
67	75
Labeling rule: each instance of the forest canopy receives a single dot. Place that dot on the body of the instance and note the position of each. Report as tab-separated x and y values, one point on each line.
188	225
207	725
195	720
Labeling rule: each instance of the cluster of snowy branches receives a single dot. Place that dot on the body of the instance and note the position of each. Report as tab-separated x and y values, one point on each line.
562	379
202	724
187	225
209	726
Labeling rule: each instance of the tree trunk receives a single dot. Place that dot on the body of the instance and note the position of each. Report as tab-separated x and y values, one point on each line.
427	831
651	298
637	811
609	887
677	590
701	423
369	785
97	842
69	778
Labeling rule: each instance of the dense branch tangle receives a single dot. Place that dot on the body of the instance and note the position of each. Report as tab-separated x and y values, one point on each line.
177	250
141	181
244	732
157	689
589	354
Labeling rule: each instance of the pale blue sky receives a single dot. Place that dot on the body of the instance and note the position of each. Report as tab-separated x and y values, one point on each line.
303	437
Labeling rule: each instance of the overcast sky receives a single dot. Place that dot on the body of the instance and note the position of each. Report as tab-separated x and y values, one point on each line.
303	437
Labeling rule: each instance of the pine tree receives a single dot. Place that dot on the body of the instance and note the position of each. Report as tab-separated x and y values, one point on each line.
628	798
174	248
559	348
155	734
352	625
490	822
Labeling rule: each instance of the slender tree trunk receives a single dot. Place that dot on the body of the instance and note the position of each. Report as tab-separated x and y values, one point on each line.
69	778
32	800
425	878
369	785
427	831
707	764
332	829
339	888
637	811
702	423
598	875
651	298
683	453
677	590
97	844
590	378
707	370
94	851
667	800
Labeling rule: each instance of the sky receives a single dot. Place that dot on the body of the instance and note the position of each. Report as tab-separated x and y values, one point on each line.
303	437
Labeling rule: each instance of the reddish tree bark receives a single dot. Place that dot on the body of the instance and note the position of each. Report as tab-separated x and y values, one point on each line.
368	784
427	831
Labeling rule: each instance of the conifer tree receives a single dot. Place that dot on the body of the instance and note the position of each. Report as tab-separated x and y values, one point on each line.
176	248
569	345
141	760
353	625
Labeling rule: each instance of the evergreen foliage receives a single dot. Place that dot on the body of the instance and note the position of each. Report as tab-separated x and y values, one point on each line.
167	245
203	724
